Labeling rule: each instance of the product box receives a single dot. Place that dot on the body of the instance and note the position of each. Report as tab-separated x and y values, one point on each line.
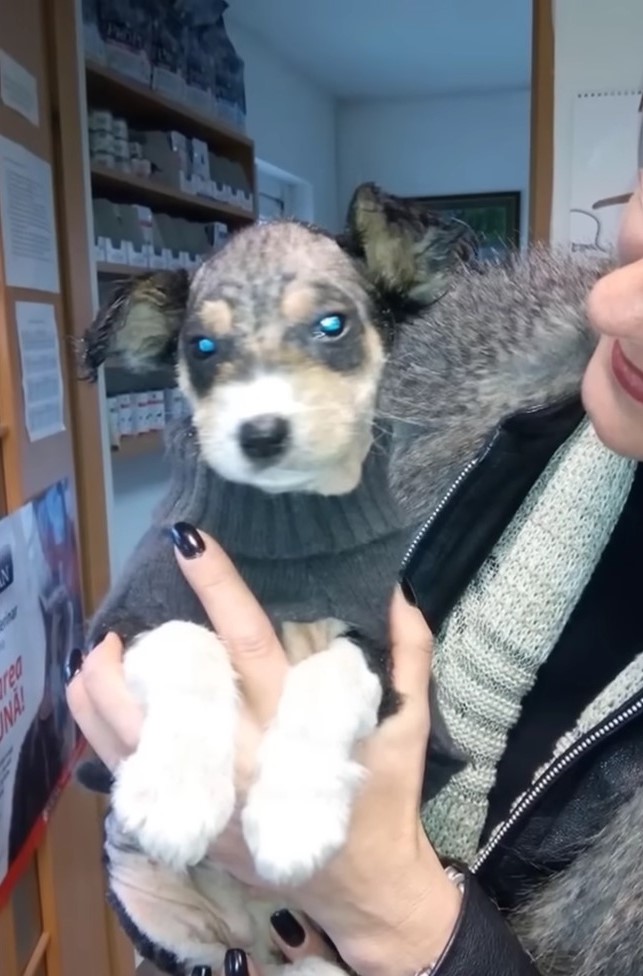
108	231
229	89
141	408
199	166
126	29
157	409
169	157
169	39
171	237
94	43
157	252
200	50
113	421
136	245
126	425
176	407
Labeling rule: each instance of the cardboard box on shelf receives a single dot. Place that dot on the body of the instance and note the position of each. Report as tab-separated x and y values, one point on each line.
229	91
176	407
200	50
136	244
199	166
169	157
108	231
142	415
113	421
126	29
171	240
157	409
157	254
169	38
93	42
125	415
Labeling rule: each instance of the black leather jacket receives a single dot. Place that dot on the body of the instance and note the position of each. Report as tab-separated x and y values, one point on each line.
581	790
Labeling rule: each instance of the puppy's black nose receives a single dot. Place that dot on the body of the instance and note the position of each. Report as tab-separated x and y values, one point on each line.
264	438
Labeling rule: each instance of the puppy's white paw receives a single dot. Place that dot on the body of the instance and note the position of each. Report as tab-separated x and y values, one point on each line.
294	822
308	966
175	806
176	793
297	813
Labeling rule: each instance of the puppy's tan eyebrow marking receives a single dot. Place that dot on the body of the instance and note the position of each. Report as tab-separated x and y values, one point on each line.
298	302
216	316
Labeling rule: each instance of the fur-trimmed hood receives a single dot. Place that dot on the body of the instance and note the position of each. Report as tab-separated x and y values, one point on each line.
499	341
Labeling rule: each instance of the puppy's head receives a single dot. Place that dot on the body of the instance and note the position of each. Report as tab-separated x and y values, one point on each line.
280	360
279	342
276	352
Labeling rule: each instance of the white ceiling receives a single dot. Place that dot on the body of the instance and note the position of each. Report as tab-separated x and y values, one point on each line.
397	48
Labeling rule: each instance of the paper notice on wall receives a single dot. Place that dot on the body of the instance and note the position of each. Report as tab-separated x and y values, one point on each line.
27	219
42	382
18	88
604	167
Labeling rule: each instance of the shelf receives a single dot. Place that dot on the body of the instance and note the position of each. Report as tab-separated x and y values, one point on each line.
108	270
140	444
139	103
158	196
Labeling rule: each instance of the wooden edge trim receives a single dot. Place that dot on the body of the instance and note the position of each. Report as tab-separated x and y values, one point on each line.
541	175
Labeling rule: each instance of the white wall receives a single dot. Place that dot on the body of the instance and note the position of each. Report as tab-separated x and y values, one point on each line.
291	120
598	45
436	145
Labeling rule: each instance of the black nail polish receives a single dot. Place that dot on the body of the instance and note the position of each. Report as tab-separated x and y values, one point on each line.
408	592
187	540
235	963
288	928
201	971
73	664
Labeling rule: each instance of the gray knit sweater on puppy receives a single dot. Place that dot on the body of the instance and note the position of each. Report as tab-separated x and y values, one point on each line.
306	557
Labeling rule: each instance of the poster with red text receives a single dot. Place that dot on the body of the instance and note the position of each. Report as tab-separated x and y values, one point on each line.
41	620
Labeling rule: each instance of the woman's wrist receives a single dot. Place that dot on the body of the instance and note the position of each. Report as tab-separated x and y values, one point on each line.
407	927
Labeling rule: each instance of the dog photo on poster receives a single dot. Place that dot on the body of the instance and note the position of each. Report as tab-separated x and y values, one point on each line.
41	619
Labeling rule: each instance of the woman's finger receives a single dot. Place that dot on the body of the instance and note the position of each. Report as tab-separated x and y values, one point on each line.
100	695
236	962
411	647
95	731
236	616
296	937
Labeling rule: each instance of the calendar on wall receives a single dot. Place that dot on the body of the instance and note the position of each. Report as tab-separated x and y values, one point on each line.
605	139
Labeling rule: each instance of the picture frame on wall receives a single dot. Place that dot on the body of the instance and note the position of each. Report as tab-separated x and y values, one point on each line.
494	218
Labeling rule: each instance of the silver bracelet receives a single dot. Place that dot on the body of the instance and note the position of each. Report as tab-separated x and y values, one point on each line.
458	879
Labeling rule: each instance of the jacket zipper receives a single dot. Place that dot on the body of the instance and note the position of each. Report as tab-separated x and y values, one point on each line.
574	753
426	525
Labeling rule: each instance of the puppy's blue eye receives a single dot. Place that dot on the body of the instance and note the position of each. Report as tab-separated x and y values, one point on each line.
204	347
330	326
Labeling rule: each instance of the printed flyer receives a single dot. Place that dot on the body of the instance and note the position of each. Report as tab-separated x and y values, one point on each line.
41	620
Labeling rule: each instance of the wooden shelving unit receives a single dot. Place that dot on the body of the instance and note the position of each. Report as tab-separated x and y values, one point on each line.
108	270
142	107
126	188
140	444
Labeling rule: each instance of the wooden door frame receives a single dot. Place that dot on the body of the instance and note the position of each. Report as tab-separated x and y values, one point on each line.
541	167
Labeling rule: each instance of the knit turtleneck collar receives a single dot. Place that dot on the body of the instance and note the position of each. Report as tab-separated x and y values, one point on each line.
251	523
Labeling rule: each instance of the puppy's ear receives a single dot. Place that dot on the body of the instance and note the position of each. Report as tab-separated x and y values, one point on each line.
139	323
407	250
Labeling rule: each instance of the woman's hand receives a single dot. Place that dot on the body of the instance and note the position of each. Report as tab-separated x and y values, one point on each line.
384	900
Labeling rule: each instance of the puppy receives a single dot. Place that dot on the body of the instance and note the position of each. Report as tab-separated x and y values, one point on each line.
279	342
